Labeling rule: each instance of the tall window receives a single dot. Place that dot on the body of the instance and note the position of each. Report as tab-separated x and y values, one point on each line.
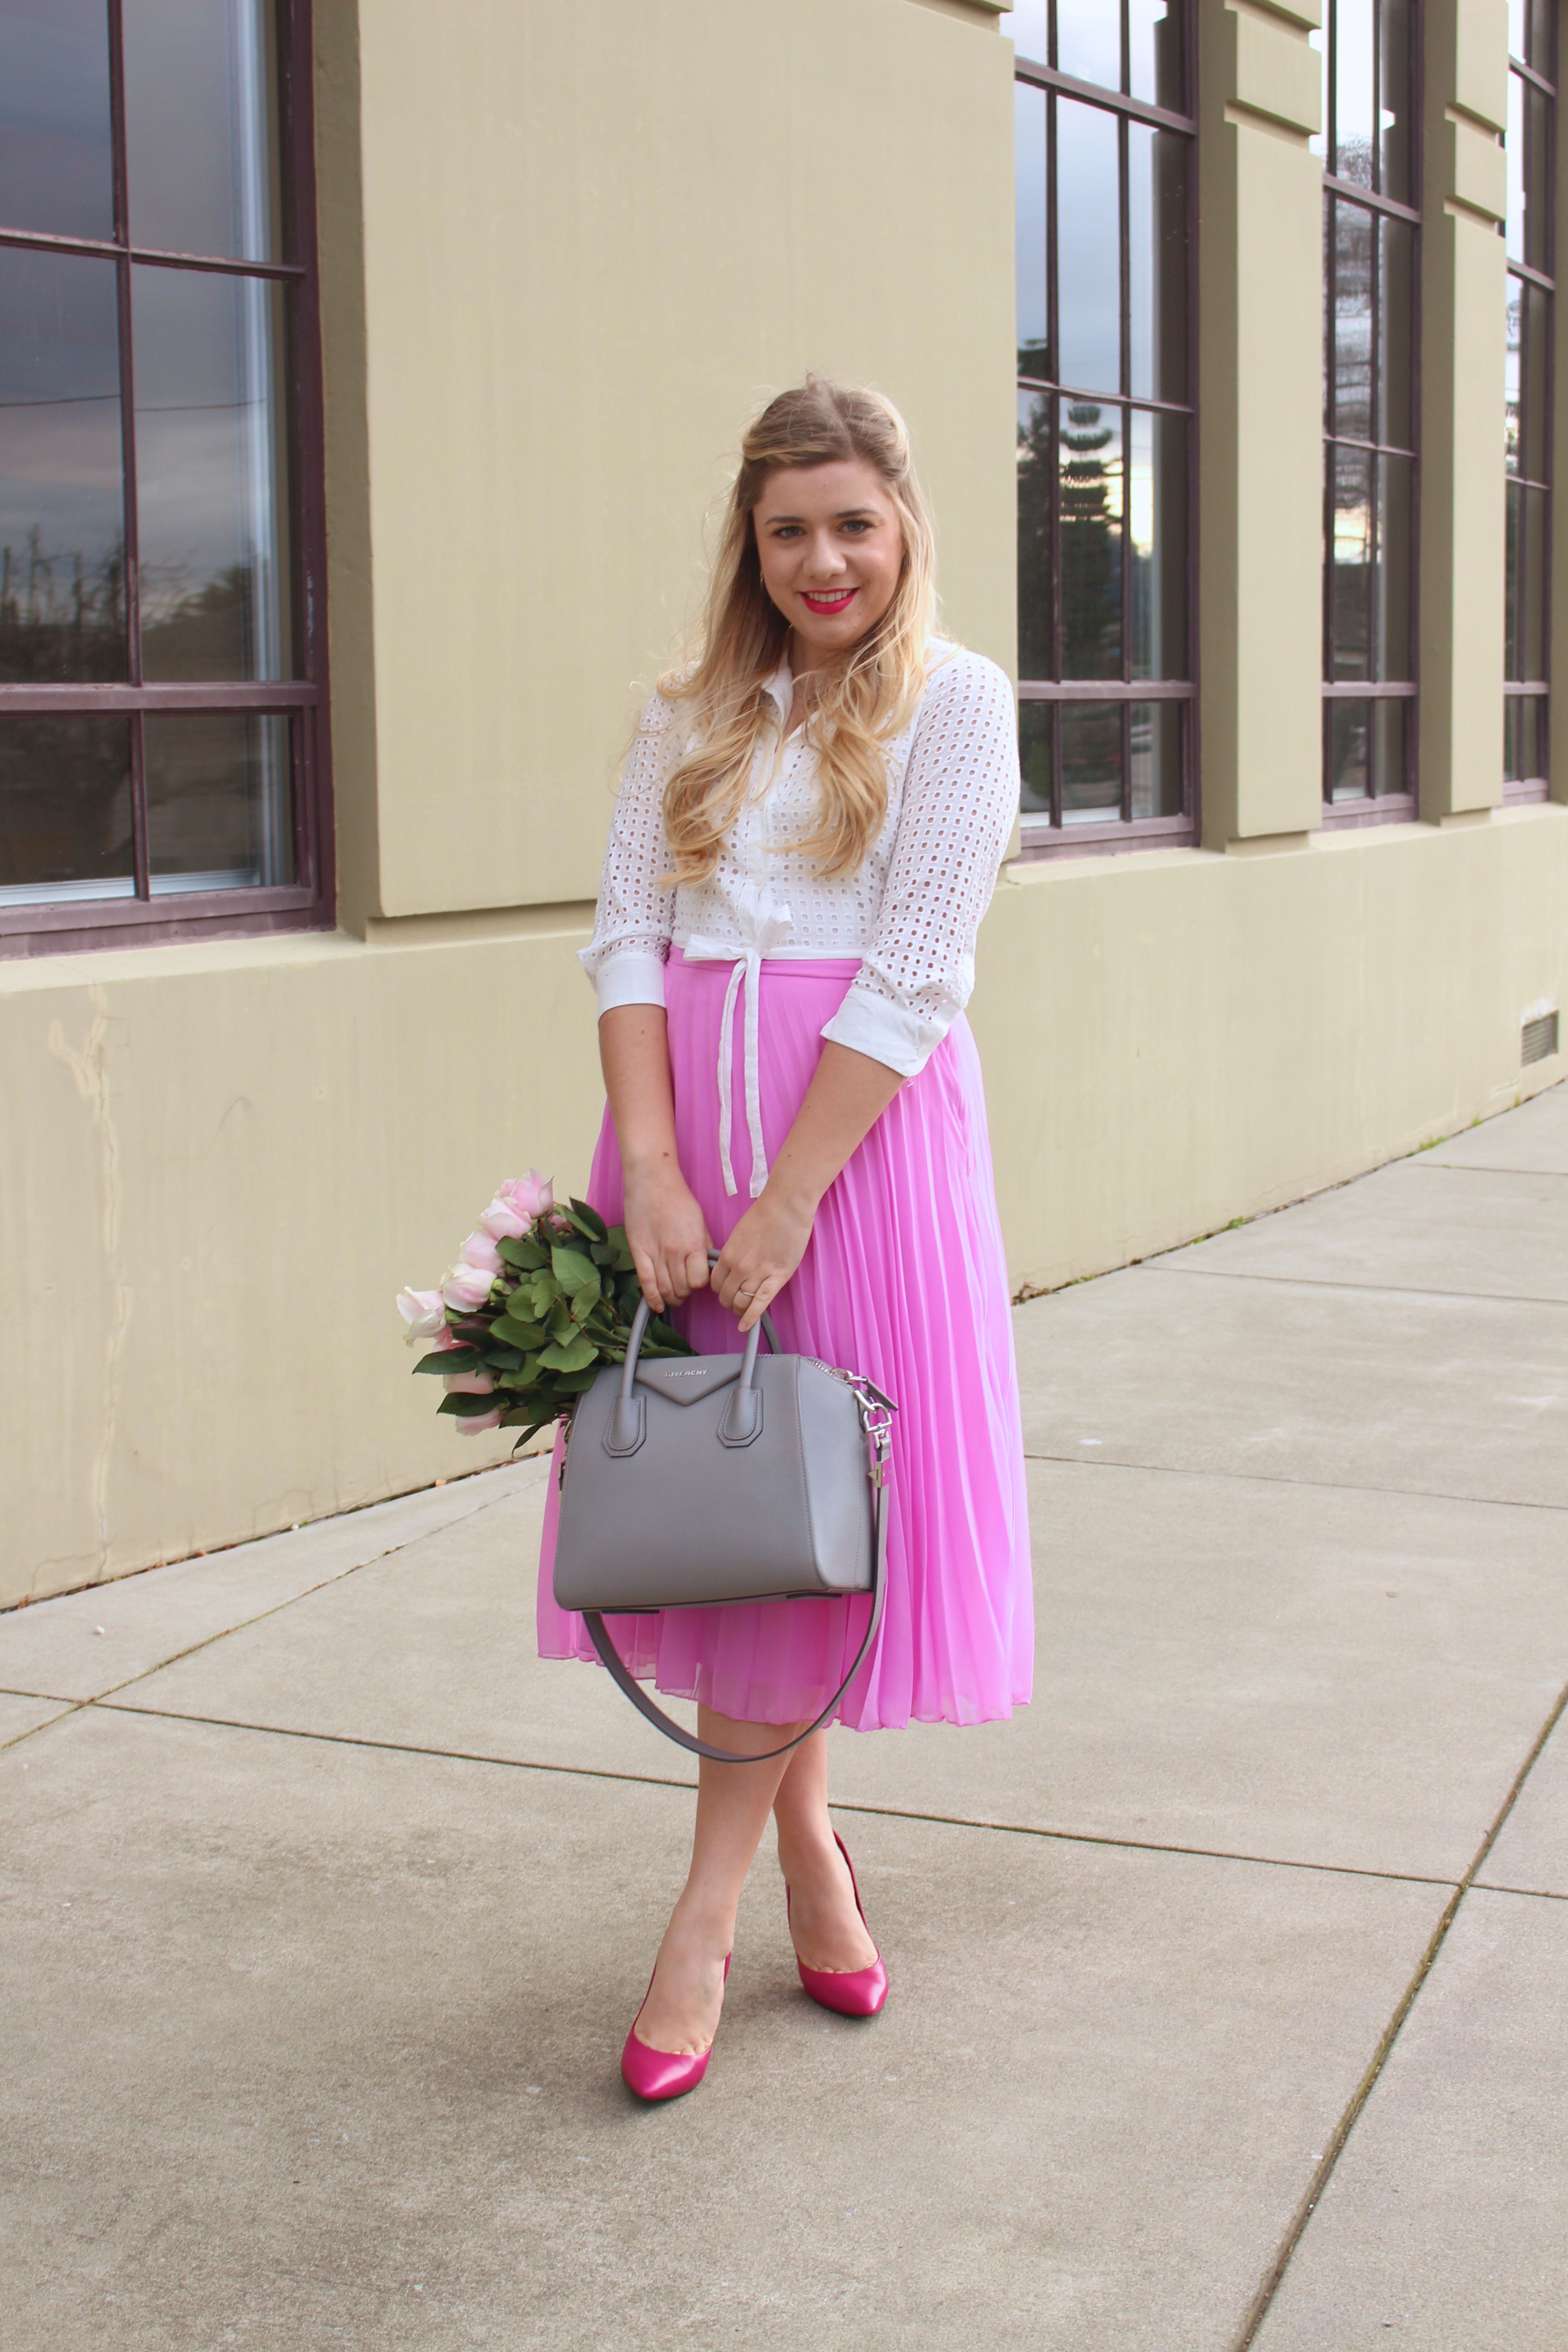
1370	225
1532	140
160	591
1104	156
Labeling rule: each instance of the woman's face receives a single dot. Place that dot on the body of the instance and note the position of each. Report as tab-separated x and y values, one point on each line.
831	548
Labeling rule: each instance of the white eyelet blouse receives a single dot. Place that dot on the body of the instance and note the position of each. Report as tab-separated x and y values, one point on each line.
908	915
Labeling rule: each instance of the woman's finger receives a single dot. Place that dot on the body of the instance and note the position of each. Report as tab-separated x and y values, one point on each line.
746	1287
729	1281
697	1269
672	1278
648	1279
761	1299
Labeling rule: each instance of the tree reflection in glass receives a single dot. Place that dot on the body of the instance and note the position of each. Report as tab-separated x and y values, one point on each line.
212	475
1355	231
62	515
1091	762
65	809
1036	722
1037	456
1091	518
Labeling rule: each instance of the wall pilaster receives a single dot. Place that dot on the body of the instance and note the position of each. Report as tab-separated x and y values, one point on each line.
1260	429
1463	294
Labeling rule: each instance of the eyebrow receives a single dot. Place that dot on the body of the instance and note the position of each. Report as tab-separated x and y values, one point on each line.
842	515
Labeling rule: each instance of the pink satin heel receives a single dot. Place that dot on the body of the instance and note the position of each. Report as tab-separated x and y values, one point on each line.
654	2074
852	1992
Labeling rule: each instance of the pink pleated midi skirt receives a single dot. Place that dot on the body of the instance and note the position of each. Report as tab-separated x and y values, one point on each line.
904	1279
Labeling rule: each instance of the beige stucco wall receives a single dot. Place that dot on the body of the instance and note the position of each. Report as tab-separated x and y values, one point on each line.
594	240
548	308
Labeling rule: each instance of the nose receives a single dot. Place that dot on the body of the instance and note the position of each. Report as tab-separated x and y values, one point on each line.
826	560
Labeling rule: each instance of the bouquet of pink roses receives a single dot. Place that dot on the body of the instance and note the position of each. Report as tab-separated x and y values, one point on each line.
540	1297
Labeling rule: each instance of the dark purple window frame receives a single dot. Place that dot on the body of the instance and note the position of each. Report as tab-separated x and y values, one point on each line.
307	903
1538	787
1385	808
1045	836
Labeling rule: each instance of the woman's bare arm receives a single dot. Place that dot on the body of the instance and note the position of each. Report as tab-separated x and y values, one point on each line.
848	1094
665	1227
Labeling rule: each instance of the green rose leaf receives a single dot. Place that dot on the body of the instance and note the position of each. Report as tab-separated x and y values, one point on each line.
464	1408
572	1271
511	1419
574	1355
450	1360
588	1220
516	1331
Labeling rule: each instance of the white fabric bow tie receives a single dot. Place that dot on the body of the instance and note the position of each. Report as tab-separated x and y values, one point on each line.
765	928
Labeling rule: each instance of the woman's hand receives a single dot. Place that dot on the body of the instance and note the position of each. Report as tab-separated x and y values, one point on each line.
667	1235
760	1254
665	1228
848	1094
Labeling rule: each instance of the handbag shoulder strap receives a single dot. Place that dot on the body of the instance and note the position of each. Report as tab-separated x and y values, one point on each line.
599	1634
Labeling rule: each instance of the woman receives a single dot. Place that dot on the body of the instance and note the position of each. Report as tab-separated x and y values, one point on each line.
808	831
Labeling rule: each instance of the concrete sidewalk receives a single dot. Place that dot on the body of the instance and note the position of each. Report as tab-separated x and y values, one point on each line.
1227	1981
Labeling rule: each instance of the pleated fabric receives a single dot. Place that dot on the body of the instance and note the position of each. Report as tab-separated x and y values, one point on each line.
904	1280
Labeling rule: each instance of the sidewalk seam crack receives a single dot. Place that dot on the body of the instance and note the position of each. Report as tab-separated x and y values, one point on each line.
839	1805
244	1624
1368	1289
1277	1479
1274	2277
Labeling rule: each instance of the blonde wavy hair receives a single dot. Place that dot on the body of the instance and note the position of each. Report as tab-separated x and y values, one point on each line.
741	641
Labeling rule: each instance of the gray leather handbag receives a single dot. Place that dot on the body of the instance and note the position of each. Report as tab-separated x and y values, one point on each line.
695	1480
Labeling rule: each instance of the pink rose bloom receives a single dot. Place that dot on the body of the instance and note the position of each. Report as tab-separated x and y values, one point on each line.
425	1312
467	1287
479	1250
468	1384
471	1425
516	1204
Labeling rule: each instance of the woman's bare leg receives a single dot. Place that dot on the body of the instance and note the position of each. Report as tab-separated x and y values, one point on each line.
827	1928
681	2012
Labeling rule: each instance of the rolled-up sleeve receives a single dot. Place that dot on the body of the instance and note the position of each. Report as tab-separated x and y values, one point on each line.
635	916
956	818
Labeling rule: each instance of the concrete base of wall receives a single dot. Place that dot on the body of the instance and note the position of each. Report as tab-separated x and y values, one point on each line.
233	1155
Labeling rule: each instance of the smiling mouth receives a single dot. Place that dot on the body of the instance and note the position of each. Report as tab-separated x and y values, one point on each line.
827	601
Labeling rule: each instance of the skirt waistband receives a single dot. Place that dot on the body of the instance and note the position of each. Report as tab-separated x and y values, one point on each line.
803	967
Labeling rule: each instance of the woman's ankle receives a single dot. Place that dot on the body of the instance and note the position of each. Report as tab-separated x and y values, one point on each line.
806	1846
700	1931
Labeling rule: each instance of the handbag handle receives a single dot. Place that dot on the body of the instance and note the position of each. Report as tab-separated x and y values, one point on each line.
639	1327
624	1433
